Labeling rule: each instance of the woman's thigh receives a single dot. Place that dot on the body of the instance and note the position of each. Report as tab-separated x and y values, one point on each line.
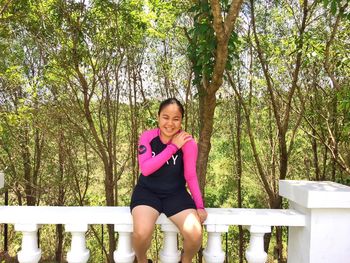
144	219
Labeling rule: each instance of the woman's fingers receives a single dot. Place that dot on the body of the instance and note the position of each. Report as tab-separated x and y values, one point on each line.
181	138
202	214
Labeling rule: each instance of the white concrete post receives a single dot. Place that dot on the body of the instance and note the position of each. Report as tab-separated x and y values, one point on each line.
170	252
78	252
30	253
255	252
124	252
326	205
213	253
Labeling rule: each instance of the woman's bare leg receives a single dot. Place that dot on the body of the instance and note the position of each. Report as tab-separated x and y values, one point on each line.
144	219
188	223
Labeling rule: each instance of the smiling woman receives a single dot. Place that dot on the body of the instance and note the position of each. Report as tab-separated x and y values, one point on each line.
169	121
167	158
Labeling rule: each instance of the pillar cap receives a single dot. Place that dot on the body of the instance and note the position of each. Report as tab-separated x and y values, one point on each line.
311	194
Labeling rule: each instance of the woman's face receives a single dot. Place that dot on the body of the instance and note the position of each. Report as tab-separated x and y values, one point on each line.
169	121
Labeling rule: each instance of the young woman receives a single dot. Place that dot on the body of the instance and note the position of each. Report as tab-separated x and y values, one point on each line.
167	159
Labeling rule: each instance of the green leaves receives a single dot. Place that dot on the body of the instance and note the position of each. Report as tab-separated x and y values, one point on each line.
337	6
333	4
202	47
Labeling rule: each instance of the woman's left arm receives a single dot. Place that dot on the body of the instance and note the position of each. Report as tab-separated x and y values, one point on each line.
190	152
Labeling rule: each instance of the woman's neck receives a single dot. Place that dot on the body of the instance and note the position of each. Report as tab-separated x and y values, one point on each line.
164	139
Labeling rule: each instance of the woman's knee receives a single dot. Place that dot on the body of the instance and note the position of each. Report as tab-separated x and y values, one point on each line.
193	237
142	234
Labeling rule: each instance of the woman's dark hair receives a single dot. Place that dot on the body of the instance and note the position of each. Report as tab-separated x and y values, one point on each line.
169	101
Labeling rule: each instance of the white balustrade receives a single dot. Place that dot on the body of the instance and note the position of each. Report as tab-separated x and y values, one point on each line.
78	252
124	252
29	253
213	253
255	252
318	224
170	252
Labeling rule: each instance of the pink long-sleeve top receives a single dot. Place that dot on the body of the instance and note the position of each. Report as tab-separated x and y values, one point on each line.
165	168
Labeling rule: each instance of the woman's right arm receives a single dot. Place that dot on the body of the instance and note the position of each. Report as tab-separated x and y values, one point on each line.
147	163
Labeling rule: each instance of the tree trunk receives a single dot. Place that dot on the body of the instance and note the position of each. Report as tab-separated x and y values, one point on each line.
133	122
279	245
283	155
27	169
325	158
61	192
334	113
109	188
209	85
206	114
6	225
315	155
238	109
59	243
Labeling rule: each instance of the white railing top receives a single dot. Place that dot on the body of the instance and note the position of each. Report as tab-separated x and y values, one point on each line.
311	194
121	215
257	217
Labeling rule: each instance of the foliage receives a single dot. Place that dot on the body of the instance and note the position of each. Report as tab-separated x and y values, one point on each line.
202	46
133	54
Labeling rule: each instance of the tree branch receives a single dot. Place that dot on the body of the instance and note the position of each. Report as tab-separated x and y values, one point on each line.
232	15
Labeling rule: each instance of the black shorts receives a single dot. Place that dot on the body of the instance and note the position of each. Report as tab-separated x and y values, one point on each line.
169	204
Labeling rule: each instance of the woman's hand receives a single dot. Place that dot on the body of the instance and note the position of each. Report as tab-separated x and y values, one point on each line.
180	139
202	214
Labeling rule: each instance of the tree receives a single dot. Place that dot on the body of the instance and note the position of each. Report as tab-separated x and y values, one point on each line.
208	51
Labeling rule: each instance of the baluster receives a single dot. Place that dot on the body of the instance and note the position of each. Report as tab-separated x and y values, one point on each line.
124	252
170	252
213	253
78	252
30	253
255	253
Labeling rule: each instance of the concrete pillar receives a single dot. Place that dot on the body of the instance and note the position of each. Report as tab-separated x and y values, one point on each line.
326	205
